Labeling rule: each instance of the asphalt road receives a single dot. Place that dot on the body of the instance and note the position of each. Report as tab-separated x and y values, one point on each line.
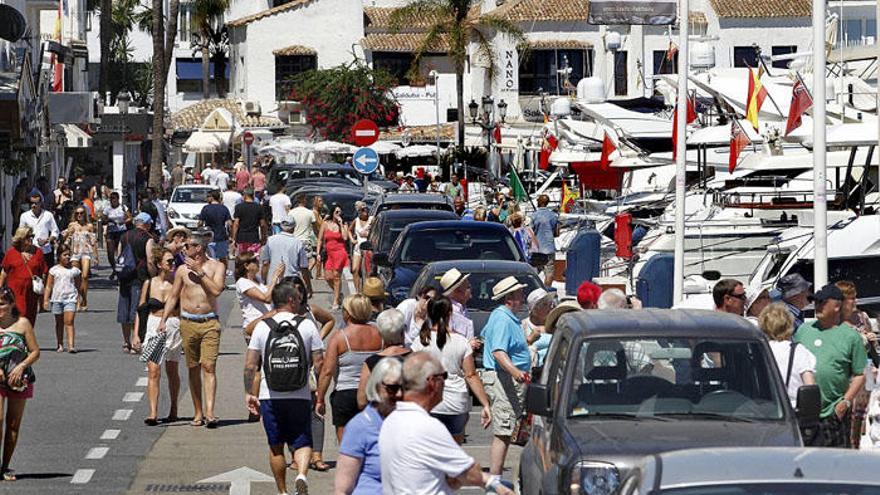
83	430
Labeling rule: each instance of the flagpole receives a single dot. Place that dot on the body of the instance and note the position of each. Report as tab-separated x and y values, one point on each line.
820	198
681	155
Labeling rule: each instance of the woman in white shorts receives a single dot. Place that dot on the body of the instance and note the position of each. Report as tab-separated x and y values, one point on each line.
80	236
153	296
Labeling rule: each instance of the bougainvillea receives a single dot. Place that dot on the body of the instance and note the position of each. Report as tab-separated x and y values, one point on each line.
334	99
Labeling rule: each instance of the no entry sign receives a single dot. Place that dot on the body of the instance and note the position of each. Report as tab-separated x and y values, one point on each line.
248	138
364	132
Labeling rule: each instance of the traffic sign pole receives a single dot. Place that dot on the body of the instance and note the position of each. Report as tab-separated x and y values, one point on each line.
248	139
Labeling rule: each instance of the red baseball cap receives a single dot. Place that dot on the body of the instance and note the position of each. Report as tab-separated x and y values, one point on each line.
588	293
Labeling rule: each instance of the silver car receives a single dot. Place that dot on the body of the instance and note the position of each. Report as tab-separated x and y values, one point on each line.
747	470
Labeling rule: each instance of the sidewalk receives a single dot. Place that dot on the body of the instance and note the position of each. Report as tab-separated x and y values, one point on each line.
185	455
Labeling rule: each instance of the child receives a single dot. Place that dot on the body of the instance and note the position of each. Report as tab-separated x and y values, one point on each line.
61	295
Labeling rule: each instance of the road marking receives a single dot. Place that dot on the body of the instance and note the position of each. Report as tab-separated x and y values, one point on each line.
142	382
97	452
82	476
239	480
132	397
110	434
122	414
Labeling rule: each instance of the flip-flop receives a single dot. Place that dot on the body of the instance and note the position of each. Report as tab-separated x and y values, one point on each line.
197	422
72	350
151	421
9	475
212	423
319	466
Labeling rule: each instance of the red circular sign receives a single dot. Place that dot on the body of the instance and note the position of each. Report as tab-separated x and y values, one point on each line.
248	138
364	132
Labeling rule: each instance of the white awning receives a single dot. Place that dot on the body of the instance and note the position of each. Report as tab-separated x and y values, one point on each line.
334	148
419	150
384	147
76	137
207	142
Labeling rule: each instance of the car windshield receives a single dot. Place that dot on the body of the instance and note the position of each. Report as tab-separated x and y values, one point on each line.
187	195
782	488
674	377
427	245
482	283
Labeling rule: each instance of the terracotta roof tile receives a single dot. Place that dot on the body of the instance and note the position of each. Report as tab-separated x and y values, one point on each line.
191	117
420	134
241	21
765	8
543	10
294	50
400	42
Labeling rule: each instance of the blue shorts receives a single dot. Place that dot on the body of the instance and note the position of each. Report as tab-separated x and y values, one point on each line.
287	421
129	297
219	250
455	423
62	307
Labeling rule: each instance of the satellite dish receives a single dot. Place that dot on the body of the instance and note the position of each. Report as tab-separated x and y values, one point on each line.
12	23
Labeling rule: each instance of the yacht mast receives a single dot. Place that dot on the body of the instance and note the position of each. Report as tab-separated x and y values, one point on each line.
681	155
820	198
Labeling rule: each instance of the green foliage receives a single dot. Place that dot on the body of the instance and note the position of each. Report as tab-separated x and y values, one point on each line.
334	99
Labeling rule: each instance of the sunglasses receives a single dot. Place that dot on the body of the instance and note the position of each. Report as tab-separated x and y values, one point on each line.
741	297
392	388
169	261
35	203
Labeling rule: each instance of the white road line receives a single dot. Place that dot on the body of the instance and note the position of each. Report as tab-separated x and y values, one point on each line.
97	452
142	382
132	397
122	414
110	434
346	273
82	476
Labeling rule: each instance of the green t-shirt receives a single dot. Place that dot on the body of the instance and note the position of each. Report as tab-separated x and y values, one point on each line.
840	355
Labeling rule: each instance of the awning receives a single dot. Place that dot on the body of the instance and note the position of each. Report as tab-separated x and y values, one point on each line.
207	142
76	137
187	70
416	151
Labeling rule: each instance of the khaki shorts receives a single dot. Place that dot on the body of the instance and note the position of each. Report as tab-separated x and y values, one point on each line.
507	399
201	341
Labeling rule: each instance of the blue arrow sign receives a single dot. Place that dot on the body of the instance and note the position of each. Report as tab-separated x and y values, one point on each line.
365	160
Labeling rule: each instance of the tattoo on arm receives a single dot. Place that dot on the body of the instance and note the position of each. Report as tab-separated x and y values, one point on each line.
249	373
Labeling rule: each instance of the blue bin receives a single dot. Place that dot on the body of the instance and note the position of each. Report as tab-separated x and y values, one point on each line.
654	284
582	259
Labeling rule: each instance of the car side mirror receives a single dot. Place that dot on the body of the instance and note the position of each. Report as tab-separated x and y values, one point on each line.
538	399
809	404
381	259
366	246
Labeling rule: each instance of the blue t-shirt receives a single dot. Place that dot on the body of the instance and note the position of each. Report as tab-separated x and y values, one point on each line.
361	440
215	217
504	333
544	223
542	345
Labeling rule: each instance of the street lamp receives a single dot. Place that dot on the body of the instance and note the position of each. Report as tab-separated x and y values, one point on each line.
123	99
435	76
487	121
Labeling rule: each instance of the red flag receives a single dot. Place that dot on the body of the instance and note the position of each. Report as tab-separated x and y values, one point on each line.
691	116
738	141
800	103
550	143
496	135
607	148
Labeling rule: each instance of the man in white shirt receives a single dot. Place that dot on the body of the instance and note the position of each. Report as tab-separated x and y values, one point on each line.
286	414
43	224
231	197
416	452
280	205
208	174
221	179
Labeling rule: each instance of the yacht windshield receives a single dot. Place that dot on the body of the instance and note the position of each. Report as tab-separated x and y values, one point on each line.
674	377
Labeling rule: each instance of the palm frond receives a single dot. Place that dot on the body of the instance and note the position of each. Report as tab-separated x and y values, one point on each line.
503	26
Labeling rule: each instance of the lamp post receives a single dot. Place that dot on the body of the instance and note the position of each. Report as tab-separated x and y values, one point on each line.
435	76
486	119
122	102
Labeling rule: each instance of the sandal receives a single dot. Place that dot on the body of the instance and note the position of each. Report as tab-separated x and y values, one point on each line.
212	423
60	348
151	421
197	422
9	475
319	465
72	350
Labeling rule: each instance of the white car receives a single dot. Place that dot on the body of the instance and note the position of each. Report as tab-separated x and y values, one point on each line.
186	203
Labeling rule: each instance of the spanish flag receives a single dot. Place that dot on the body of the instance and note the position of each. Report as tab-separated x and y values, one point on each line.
568	197
756	96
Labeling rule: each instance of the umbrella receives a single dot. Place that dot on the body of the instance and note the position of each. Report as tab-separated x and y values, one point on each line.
418	150
384	147
333	147
207	142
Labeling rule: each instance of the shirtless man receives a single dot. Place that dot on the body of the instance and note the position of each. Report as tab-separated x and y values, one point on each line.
197	285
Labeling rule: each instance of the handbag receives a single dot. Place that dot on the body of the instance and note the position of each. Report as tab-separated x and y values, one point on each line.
37	284
154	350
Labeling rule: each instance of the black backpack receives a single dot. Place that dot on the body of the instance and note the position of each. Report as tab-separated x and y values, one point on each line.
285	358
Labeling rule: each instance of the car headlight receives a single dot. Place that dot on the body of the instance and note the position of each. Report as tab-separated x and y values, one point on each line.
594	478
172	213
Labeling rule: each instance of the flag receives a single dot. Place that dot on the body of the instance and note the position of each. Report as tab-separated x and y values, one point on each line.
691	116
58	68
800	103
607	149
516	186
568	197
738	141
756	96
496	134
671	52
548	145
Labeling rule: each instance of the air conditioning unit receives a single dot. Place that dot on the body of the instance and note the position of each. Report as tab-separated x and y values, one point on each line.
252	107
296	117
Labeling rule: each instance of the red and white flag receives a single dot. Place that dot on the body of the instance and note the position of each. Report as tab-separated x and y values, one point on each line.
691	116
738	141
800	103
607	149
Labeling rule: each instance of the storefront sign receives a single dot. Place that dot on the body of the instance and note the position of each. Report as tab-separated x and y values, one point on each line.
632	12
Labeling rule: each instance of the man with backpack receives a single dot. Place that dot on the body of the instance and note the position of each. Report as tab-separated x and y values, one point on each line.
284	347
134	269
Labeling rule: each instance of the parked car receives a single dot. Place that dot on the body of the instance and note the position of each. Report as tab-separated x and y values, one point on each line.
447	240
619	385
409	201
286	173
343	196
388	225
483	276
734	471
187	202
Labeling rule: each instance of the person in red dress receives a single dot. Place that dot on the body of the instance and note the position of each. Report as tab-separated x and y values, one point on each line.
22	262
332	252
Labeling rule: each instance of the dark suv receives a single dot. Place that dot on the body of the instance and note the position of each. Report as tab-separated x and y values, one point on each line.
388	225
618	385
410	201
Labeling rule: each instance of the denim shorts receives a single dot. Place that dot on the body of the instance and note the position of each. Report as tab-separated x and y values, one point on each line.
62	307
219	250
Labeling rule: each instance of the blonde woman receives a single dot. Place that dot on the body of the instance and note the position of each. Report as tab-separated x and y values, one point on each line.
23	262
80	236
778	324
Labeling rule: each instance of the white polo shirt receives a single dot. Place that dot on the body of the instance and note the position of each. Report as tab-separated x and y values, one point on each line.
417	453
43	226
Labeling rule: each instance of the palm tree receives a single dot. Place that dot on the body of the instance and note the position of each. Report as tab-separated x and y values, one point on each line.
457	23
211	41
163	46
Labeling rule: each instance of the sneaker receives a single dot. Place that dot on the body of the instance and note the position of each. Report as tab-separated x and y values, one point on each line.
301	486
